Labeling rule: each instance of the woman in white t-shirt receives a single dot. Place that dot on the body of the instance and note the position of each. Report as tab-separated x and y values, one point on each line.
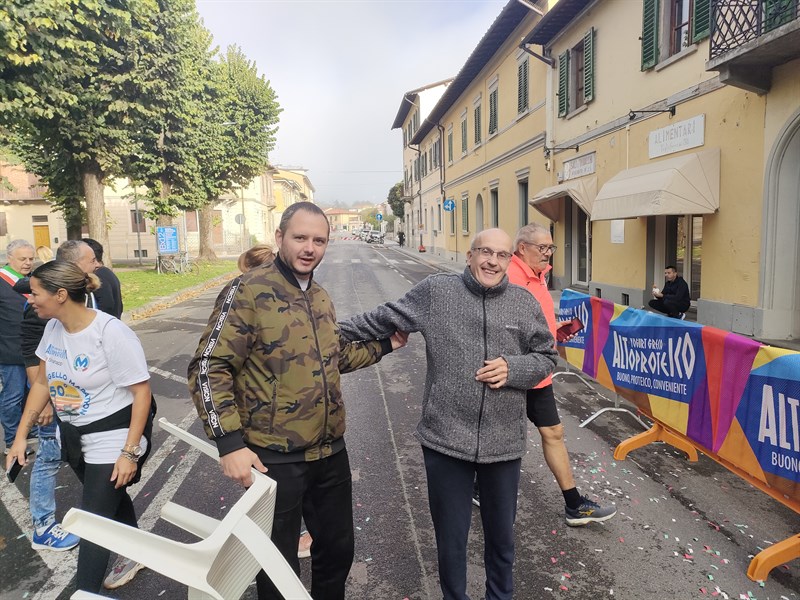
96	376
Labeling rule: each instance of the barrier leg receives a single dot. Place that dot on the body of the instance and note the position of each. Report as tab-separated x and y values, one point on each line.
574	374
657	433
777	554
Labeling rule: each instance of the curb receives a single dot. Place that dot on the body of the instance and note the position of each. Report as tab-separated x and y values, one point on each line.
159	304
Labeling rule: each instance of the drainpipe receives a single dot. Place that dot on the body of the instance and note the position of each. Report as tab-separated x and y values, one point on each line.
441	168
421	247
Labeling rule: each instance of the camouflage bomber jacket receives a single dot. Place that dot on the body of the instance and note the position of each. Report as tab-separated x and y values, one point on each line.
266	371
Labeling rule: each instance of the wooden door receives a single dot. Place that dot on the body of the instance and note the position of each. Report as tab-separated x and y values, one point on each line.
41	235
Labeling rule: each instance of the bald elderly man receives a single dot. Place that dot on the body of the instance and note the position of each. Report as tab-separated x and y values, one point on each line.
487	343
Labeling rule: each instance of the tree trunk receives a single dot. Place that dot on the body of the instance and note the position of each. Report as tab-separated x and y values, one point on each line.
73	219
166	190
206	226
93	190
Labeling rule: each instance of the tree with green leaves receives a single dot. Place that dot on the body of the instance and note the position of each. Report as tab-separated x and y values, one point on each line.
239	122
162	156
72	86
396	200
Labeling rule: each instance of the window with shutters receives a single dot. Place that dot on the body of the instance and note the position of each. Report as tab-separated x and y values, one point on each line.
522	86
493	111
477	115
670	27
452	218
464	136
576	75
450	145
138	222
465	214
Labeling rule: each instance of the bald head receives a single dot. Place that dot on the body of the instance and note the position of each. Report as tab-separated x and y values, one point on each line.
489	255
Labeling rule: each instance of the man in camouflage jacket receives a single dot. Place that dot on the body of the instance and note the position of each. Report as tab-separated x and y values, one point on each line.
265	382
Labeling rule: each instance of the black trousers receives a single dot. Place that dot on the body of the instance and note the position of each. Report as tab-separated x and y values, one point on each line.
100	498
325	487
450	483
667	306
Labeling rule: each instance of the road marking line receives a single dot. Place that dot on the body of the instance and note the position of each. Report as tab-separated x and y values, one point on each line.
374	260
355	260
63	564
410	262
169	375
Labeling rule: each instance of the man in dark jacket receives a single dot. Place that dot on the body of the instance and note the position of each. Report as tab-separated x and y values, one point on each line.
673	299
487	343
109	294
265	381
20	255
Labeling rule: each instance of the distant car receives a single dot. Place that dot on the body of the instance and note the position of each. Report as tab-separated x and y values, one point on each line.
375	237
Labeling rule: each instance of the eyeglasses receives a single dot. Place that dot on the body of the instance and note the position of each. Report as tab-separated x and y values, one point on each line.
485	252
543	248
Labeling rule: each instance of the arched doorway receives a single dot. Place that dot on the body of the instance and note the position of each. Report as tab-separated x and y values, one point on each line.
479	214
779	300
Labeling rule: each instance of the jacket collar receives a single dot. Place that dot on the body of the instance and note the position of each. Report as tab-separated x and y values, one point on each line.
474	286
289	274
529	273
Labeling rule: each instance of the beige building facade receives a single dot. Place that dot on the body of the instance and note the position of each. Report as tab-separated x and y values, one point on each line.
242	217
636	149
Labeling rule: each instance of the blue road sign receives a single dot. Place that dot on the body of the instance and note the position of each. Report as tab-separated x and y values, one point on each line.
167	239
449	205
379	216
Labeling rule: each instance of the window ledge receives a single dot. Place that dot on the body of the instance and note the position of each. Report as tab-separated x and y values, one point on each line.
576	112
523	114
689	50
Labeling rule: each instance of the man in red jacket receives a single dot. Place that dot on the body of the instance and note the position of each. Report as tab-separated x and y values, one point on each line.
533	248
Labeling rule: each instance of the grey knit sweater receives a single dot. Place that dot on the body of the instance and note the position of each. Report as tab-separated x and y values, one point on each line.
464	324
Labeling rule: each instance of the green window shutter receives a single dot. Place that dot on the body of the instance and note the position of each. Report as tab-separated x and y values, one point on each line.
493	112
464	136
478	124
701	19
588	65
563	84
464	214
649	34
522	86
450	147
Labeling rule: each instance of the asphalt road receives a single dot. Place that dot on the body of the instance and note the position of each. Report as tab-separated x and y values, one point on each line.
683	530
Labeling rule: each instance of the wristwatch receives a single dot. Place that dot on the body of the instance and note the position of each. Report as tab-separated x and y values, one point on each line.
136	449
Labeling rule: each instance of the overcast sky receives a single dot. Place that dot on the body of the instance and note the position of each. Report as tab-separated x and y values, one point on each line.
340	69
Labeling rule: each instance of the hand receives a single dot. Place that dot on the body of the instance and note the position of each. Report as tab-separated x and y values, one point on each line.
494	373
17	451
46	416
123	472
399	339
561	324
237	465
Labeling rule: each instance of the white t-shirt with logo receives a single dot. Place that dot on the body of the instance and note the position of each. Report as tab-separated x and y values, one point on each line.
88	373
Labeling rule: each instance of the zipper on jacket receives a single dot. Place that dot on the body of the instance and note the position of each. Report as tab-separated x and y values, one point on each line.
274	410
321	369
483	391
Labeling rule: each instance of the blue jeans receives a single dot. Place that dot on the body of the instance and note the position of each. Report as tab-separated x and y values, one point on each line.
450	483
43	478
13	385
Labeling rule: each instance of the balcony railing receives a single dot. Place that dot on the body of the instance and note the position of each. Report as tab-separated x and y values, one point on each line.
736	22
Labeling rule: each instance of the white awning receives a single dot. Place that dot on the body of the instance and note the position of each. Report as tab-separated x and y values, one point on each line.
582	191
685	185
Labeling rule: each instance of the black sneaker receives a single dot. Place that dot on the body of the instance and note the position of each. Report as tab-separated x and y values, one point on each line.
588	512
476	495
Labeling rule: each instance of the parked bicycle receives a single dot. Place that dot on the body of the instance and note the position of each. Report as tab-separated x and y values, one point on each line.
179	264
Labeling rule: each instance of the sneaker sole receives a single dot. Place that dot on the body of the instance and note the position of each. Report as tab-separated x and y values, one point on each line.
124	579
586	520
476	502
304	553
36	546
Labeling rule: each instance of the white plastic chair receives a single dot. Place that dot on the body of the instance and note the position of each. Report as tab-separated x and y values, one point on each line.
226	560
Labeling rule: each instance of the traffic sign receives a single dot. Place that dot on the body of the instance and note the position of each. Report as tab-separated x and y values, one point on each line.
449	205
379	216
